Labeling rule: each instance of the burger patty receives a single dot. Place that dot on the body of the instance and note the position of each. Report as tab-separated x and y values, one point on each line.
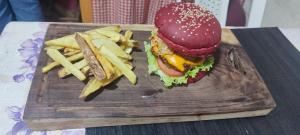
186	66
160	50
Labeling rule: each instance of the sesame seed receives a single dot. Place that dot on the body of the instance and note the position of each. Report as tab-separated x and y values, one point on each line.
190	15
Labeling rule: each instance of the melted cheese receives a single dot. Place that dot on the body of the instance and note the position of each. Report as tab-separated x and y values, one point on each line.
177	61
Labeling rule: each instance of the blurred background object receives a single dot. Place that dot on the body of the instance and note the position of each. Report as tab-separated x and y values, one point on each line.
218	7
61	10
249	13
229	12
282	13
19	10
123	11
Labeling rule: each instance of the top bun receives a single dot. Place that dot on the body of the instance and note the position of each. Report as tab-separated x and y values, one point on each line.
188	29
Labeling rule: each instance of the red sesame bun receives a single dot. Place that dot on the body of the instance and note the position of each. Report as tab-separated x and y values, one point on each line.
188	29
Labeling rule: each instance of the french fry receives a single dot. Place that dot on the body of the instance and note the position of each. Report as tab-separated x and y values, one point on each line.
94	85
85	70
102	53
127	44
66	41
58	57
129	65
128	50
128	35
113	47
79	65
66	50
72	58
132	43
107	66
53	47
114	36
119	64
88	54
70	42
72	53
95	35
125	61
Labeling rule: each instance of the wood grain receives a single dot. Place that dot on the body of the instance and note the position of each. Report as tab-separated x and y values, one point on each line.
233	89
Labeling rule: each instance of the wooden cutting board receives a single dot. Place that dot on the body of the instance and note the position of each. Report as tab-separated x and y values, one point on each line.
233	89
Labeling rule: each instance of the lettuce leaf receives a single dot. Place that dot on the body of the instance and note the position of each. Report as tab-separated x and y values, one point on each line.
168	80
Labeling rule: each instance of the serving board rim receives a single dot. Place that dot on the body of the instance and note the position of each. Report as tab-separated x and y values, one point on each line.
51	124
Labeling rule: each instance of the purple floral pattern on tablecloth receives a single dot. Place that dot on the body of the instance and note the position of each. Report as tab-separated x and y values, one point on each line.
15	113
29	51
27	48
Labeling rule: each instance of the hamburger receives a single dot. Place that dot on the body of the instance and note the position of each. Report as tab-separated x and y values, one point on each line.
182	44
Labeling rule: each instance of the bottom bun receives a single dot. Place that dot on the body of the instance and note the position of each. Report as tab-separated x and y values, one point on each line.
198	77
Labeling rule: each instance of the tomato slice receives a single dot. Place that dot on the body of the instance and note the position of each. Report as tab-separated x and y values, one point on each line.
167	70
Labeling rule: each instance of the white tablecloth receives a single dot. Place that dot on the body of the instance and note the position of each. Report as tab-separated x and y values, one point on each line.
20	44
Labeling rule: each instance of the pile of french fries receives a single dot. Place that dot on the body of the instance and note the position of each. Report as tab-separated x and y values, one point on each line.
102	55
